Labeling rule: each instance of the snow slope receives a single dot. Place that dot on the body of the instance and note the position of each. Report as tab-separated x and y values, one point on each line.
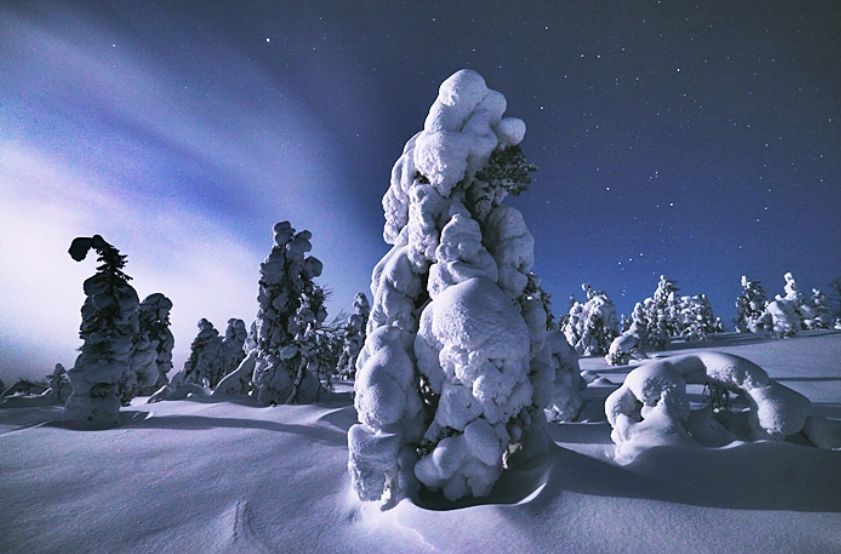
201	476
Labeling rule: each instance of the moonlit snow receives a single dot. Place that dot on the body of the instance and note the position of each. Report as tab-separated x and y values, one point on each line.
465	422
198	476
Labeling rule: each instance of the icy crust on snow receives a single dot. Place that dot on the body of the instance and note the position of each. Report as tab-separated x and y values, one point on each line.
454	353
651	408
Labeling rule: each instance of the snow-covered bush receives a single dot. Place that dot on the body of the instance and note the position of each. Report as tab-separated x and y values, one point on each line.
750	305
631	341
153	316
291	310
651	407
593	325
109	330
453	379
352	336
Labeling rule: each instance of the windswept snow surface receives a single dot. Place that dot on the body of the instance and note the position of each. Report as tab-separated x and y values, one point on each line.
202	476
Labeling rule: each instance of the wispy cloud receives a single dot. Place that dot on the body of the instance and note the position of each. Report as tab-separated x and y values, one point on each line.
187	180
203	267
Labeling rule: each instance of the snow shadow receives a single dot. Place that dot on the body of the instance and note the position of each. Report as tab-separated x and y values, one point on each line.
746	476
315	433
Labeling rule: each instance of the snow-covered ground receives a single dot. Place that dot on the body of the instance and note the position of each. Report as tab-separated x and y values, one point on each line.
204	476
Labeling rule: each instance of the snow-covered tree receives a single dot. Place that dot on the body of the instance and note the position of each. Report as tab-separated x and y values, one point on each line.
819	316
109	329
750	305
661	314
204	365
696	320
593	325
624	323
60	386
784	315
233	346
631	341
153	316
286	334
352	336
455	373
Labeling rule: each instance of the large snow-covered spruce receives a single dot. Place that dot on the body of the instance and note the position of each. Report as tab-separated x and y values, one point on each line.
453	378
288	319
109	330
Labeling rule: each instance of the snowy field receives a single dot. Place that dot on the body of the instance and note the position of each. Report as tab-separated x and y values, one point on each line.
204	476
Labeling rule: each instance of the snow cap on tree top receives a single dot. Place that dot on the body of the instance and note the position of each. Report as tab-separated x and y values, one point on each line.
81	245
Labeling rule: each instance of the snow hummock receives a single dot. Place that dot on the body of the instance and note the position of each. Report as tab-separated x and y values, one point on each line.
651	407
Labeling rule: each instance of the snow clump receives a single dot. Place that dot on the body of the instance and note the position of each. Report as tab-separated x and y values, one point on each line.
651	407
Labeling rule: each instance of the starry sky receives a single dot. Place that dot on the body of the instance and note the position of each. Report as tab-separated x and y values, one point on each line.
701	141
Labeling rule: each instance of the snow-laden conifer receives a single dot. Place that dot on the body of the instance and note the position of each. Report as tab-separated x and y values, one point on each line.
592	326
204	365
696	319
750	305
109	330
818	318
291	311
153	316
233	346
453	378
352	336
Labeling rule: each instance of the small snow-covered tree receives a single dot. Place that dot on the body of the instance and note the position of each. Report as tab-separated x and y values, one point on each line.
353	336
784	314
287	326
60	386
750	305
624	323
109	329
661	314
455	372
204	365
696	320
593	325
631	341
153	317
233	346
819	316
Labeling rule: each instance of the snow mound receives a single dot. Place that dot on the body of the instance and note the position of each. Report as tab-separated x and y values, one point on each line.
651	407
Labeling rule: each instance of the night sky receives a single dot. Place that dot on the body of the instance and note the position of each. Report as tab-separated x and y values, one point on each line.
702	142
